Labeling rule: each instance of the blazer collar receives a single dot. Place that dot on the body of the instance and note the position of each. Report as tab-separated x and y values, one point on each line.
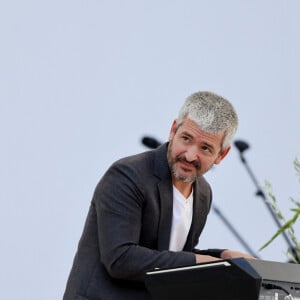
199	214
165	192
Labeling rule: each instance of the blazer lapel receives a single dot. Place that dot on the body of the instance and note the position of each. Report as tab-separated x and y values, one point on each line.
165	191
166	212
200	209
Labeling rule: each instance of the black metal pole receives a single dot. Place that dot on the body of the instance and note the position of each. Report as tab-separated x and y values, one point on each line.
243	146
234	232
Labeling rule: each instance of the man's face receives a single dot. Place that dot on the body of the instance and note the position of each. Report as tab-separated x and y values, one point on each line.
192	151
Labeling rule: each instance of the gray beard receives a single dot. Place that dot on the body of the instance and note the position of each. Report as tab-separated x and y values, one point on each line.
173	168
182	178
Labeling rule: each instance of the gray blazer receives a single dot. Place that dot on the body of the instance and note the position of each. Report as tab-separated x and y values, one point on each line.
127	230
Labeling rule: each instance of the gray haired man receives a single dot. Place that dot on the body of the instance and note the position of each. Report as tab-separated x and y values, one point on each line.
148	210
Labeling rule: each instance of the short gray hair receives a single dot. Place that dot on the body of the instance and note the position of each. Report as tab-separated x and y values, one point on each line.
213	114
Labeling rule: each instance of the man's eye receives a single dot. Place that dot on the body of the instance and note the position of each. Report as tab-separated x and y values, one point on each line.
206	149
186	138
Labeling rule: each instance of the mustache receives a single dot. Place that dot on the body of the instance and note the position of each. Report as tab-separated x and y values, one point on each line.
194	163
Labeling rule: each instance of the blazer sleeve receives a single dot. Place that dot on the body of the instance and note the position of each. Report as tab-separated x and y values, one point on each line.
212	252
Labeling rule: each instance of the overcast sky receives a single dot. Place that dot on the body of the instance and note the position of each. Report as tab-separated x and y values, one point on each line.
83	81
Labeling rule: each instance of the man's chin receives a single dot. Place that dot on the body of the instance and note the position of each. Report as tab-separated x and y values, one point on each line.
186	179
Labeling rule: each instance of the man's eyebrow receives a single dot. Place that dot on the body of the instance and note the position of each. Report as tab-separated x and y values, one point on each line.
187	134
208	145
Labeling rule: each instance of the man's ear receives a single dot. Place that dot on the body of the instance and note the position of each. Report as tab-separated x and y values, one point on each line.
173	130
222	155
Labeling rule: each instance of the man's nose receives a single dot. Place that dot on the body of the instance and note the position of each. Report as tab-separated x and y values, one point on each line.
192	154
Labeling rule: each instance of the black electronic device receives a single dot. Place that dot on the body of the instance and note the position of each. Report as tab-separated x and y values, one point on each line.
234	279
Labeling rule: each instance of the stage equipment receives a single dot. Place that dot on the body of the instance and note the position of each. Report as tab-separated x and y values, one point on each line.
234	279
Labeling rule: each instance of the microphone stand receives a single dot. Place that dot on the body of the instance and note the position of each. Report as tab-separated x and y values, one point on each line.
243	146
152	143
233	231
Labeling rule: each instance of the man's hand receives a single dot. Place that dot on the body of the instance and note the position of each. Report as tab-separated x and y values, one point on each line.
205	258
228	254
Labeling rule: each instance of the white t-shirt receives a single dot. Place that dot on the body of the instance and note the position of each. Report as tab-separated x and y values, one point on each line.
181	221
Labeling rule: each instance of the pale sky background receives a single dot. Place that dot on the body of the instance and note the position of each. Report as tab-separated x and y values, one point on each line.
83	81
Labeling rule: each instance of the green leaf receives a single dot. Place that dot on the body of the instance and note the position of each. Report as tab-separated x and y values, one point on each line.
286	226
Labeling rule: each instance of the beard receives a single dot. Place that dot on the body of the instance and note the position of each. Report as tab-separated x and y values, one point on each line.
181	158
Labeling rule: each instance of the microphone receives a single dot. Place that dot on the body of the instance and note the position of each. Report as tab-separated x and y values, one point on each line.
241	145
150	142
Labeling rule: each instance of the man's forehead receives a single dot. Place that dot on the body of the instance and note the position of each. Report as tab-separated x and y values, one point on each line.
191	128
189	123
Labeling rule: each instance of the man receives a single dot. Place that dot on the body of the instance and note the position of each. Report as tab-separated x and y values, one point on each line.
149	210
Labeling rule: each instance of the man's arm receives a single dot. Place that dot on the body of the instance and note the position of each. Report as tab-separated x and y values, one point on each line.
203	256
119	203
